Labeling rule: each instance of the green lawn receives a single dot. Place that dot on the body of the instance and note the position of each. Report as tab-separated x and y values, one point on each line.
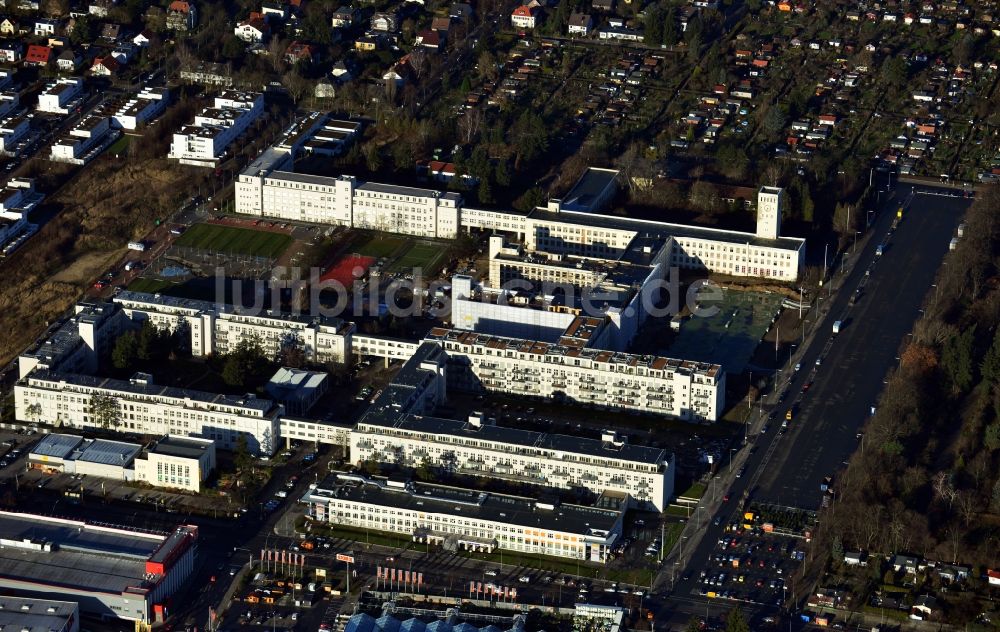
697	490
151	286
380	246
422	256
231	240
120	145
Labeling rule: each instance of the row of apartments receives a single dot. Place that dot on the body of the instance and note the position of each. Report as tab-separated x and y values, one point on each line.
203	142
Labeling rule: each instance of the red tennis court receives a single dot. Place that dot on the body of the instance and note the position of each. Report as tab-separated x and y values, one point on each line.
347	269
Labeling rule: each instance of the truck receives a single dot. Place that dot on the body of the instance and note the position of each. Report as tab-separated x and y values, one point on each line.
879	250
837	324
131	265
137	245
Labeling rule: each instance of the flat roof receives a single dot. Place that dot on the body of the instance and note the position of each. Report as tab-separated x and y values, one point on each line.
590	188
191	448
85	557
438	428
107	452
57	445
28	614
471	503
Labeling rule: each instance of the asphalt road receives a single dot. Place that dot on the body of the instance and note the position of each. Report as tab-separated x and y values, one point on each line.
855	362
787	468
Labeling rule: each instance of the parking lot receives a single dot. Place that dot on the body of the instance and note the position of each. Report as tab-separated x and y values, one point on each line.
751	566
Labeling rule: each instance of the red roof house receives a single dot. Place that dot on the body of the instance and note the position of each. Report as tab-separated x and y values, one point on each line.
38	55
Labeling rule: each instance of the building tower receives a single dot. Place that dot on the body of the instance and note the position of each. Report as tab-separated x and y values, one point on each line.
770	204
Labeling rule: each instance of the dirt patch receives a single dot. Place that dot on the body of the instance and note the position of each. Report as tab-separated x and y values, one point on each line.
96	213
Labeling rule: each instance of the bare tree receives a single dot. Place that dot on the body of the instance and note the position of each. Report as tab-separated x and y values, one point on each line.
469	124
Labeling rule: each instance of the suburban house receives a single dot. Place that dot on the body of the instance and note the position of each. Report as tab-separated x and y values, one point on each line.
441	23
606	6
905	563
385	22
580	24
429	39
344	17
299	52
400	73
366	43
523	17
38	55
143	39
253	29
341	72
856	558
68	60
111	32
924	607
11	52
106	66
181	15
45	27
993	577
460	12
953	572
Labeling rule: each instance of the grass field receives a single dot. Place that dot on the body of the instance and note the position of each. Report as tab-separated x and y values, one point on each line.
379	246
152	286
422	256
120	145
239	241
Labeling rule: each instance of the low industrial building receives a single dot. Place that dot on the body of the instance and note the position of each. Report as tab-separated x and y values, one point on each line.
109	571
72	454
177	463
467	519
22	614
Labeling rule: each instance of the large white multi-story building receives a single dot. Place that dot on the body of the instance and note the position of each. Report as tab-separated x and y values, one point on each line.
142	108
176	463
68	400
84	141
345	201
204	141
468	519
60	95
571	371
218	328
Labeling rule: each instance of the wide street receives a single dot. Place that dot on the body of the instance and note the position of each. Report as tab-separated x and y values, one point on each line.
787	468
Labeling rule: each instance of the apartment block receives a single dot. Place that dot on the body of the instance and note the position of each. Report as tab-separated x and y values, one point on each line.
203	142
85	141
67	400
74	345
568	370
218	328
60	95
142	108
12	130
467	519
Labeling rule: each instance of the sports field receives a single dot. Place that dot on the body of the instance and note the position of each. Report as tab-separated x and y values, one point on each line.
348	268
237	241
423	256
380	246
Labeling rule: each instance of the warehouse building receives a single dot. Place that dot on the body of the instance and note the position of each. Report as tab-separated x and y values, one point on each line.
72	454
21	614
109	571
468	519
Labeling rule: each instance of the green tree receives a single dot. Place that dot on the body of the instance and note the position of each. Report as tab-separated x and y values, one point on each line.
957	359
245	362
693	625
34	412
533	197
485	192
529	136
774	120
424	471
105	410
502	173
991	437
736	621
653	24
242	459
83	30
995	498
234	48
669	37
990	367
152	343
124	355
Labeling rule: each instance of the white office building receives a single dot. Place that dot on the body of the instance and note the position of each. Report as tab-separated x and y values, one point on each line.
142	108
177	463
203	142
218	328
468	519
346	201
67	400
61	95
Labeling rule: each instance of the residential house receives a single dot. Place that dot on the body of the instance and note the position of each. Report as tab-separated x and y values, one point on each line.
367	43
274	11
924	608
523	17
580	24
29	5
300	52
143	39
340	72
100	8
182	15
254	29
429	39
111	32
828	119
460	12
124	53
905	563
856	558
45	27
38	55
344	17
11	51
953	572
69	60
607	6
383	22
106	66
9	26
325	89
400	73
993	577
442	24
